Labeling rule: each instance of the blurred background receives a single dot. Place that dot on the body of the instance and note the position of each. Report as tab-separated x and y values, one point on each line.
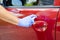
27	2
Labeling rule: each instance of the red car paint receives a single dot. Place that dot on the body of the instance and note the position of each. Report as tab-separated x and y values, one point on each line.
46	16
56	2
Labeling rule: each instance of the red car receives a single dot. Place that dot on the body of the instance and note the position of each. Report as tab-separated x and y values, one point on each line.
47	27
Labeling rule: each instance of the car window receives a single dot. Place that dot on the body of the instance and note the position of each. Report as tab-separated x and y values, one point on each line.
27	2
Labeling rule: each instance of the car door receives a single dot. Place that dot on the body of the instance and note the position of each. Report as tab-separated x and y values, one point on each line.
46	27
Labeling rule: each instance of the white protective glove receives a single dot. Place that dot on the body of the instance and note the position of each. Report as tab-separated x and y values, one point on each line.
27	21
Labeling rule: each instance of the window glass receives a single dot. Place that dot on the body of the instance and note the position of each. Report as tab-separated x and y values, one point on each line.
27	2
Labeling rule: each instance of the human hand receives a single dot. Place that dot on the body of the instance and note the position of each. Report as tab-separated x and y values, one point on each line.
27	21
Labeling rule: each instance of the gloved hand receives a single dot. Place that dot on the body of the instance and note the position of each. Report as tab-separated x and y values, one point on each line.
27	21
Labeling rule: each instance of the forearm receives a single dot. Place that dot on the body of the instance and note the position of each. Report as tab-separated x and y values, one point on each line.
7	16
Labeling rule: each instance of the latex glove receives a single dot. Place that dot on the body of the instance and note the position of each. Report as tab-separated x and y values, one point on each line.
27	21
